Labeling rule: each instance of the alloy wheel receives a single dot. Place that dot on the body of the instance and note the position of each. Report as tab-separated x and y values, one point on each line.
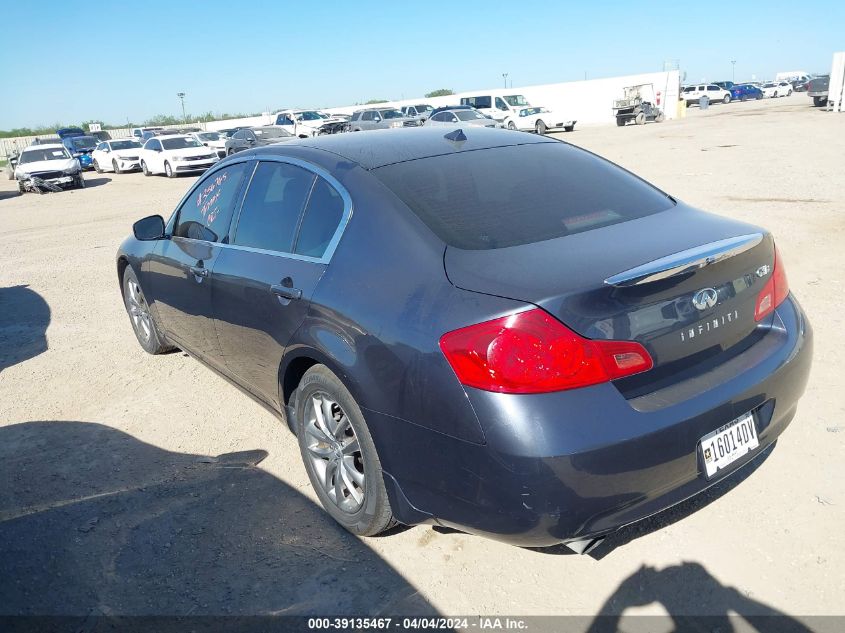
334	452
139	311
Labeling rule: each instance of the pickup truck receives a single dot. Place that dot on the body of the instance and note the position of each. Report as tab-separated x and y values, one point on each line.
817	88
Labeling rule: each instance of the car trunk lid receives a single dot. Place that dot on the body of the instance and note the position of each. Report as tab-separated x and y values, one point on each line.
683	283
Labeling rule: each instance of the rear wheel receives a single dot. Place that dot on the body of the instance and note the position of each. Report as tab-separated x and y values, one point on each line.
659	118
640	118
140	316
511	125
760	96
115	167
168	170
540	128
726	99
819	102
744	98
339	454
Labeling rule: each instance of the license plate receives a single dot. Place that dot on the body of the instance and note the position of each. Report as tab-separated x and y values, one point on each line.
727	444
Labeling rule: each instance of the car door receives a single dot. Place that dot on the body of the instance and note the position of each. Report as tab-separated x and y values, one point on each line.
290	220
285	121
99	154
180	270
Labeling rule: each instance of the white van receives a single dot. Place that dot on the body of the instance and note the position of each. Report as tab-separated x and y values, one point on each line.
504	109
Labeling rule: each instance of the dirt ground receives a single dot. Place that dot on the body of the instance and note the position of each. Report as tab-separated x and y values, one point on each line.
108	503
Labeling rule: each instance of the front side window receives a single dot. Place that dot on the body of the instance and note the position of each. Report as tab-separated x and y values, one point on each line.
367	116
206	214
102	147
392	114
272	205
472	115
322	217
500	104
153	144
478	102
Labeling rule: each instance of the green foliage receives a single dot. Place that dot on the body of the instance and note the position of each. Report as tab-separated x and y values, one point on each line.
442	92
372	101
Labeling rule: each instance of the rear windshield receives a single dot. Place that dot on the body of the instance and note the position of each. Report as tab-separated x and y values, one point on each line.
507	196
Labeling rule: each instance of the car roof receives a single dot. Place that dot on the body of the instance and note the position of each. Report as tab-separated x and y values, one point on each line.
378	148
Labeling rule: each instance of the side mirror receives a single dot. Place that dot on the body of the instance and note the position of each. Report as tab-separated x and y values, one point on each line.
149	228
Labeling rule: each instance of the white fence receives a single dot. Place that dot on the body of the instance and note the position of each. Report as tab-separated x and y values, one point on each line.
588	102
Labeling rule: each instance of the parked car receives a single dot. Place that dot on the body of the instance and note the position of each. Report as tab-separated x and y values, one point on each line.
214	140
380	119
433	360
227	132
306	123
48	166
148	134
744	92
79	144
118	155
817	90
420	111
496	107
460	116
542	120
172	155
727	85
138	133
12	163
256	137
774	89
714	92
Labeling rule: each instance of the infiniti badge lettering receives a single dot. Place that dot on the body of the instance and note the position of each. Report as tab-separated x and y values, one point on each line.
705	298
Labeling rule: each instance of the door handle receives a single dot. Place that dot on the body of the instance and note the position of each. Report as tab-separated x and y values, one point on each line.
199	271
285	292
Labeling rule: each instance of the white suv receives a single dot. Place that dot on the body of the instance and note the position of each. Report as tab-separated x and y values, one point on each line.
691	94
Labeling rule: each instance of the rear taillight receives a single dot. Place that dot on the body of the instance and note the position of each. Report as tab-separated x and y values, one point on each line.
531	352
774	292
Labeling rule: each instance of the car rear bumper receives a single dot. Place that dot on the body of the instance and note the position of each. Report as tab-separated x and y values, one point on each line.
579	464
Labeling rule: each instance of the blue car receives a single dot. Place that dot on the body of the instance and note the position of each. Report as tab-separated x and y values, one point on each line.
488	330
79	144
744	92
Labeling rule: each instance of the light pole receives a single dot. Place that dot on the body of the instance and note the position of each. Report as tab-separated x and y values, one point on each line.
505	77
181	96
733	70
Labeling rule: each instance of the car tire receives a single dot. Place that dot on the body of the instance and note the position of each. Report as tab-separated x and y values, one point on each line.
789	94
726	100
568	128
511	125
168	170
640	118
659	118
759	96
230	151
140	317
819	102
744	98
540	128
620	121
145	169
97	167
80	181
115	167
21	188
328	448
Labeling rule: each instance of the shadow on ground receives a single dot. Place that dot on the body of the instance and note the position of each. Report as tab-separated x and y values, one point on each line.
96	181
95	522
685	589
24	317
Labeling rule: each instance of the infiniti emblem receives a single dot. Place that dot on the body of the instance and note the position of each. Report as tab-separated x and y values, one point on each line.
705	298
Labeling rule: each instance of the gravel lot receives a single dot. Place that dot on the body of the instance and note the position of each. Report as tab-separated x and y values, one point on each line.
123	514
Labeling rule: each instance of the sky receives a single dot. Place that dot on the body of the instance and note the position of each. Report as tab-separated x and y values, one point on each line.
116	61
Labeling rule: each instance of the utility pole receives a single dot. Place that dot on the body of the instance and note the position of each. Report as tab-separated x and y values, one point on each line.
181	96
505	77
733	70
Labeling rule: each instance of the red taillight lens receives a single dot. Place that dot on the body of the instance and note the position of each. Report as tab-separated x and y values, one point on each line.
774	292
531	352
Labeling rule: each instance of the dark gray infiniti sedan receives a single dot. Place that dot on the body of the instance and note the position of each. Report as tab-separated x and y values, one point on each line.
477	328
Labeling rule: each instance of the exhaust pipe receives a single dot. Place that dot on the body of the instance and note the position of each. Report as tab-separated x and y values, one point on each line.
585	546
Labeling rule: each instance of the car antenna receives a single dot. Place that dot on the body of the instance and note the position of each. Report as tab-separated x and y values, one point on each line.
457	135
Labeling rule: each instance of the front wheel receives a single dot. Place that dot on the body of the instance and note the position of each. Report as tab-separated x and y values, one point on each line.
339	454
97	167
168	170
640	118
620	121
145	169
540	128
659	118
115	166
143	323
760	96
80	181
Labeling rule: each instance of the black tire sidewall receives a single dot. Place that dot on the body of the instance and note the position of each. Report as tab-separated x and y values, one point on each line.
374	516
155	344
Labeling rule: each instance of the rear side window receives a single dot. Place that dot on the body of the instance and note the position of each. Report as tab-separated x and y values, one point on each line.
272	206
207	213
506	196
322	217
